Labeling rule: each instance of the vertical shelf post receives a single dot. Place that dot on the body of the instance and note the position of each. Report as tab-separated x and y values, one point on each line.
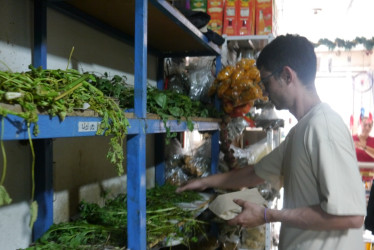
43	147
215	135
136	144
159	138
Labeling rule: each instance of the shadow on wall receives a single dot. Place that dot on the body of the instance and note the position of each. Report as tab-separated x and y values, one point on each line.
93	50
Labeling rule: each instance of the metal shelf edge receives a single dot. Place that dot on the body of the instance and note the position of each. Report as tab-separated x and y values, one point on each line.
80	126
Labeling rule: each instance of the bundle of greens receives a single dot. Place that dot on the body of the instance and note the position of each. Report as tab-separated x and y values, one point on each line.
98	227
169	104
58	92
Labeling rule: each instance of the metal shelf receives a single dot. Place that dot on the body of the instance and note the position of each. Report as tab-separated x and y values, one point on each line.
169	32
80	126
152	26
253	42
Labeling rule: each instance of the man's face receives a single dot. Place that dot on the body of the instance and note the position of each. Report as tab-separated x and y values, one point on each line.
366	126
273	87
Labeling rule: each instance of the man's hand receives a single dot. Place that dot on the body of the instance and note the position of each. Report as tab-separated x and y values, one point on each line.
197	184
252	215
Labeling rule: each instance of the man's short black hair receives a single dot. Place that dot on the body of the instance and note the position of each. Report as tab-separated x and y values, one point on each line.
294	51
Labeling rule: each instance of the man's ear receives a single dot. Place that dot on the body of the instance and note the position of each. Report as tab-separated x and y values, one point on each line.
288	74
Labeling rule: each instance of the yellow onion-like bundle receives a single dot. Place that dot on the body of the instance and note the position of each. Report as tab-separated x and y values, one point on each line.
238	87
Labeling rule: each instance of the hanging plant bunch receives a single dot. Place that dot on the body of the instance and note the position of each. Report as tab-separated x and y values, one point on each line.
58	93
348	45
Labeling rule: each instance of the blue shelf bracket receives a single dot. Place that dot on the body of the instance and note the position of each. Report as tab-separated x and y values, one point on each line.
136	144
44	186
43	147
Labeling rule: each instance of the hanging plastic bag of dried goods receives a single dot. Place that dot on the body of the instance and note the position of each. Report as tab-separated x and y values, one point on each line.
175	176
236	127
198	163
174	155
176	77
200	82
201	77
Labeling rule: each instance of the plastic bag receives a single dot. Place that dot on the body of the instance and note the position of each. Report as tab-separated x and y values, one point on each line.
198	163
236	127
252	153
179	83
175	176
200	81
253	238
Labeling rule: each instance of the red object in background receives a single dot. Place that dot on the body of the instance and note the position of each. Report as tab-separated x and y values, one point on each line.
351	122
250	122
229	17
246	18
241	110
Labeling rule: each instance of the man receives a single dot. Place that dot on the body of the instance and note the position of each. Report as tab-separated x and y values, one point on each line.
324	201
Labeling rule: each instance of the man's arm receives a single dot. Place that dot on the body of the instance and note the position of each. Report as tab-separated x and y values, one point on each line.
235	179
315	218
309	218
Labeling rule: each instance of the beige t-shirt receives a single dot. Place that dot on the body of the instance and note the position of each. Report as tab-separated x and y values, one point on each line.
318	165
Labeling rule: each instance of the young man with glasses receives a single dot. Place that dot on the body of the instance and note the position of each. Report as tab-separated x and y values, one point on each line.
324	200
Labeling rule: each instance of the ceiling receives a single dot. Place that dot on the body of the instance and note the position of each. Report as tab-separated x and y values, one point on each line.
316	19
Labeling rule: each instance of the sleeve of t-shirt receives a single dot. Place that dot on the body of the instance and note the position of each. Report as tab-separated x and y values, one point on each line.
334	164
269	168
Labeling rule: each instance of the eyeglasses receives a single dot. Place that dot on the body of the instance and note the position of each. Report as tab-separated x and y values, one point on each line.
265	81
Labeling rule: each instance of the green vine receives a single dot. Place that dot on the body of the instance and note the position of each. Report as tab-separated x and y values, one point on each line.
348	45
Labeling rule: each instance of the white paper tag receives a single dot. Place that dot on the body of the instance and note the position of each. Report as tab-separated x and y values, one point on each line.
88	126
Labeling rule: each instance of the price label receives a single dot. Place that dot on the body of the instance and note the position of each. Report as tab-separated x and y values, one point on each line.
88	126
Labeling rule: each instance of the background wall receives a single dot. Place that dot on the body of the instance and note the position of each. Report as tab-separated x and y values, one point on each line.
81	170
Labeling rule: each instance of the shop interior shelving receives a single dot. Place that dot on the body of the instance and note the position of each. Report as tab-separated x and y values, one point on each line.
254	43
152	27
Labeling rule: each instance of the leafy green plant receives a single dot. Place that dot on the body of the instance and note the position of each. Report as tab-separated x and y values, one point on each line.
98	227
58	93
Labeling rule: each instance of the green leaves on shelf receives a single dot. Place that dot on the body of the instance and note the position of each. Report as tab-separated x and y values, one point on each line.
58	93
99	226
168	104
165	103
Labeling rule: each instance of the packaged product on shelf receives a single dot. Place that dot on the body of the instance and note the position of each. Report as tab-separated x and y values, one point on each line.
229	18
175	176
253	238
182	165
265	19
198	5
200	81
197	164
246	17
176	78
215	10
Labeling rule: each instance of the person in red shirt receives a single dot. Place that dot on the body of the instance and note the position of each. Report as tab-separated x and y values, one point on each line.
364	143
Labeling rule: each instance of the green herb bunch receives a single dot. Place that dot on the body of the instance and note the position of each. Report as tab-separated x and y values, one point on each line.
169	104
106	226
58	93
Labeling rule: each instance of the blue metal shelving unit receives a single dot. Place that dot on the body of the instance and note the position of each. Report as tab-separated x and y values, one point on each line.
156	28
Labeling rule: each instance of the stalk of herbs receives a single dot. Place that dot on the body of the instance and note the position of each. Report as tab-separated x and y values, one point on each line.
58	92
106	226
